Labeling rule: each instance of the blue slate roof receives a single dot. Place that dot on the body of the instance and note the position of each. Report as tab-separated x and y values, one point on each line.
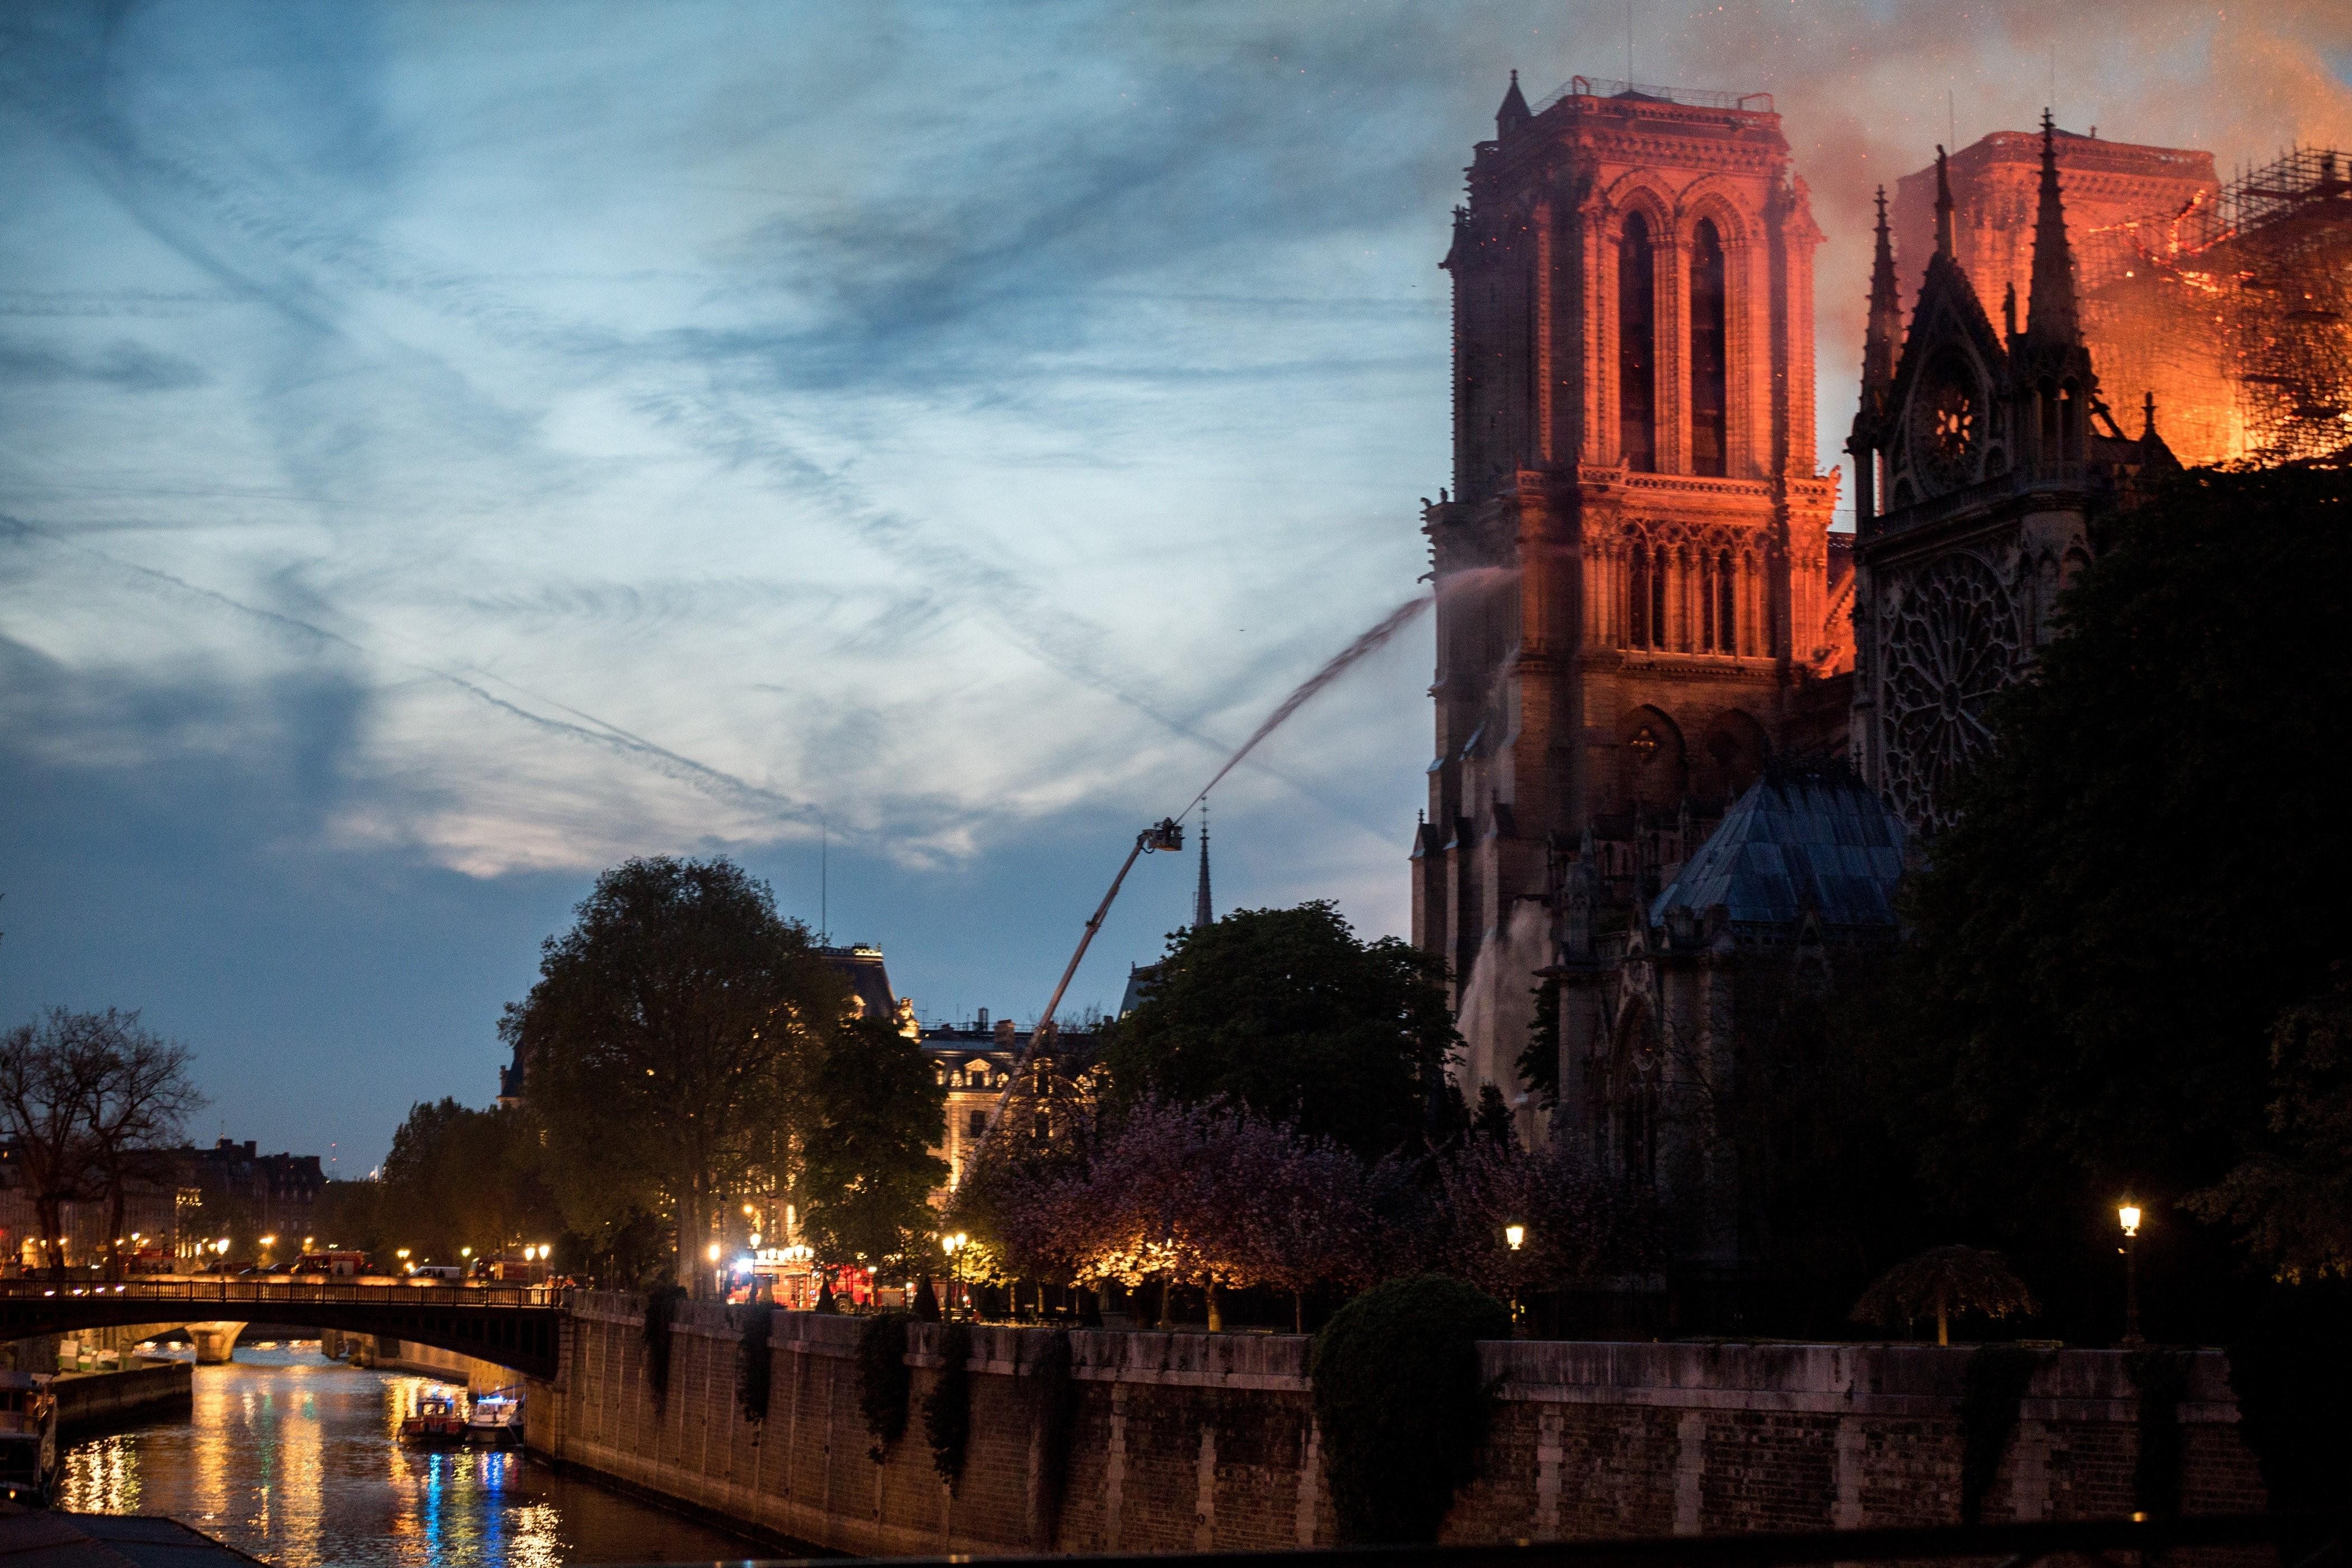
1793	840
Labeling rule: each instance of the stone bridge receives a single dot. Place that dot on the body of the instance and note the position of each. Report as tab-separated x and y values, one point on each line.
517	1326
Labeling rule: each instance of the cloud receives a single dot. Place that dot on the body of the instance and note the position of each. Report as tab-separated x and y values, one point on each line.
123	366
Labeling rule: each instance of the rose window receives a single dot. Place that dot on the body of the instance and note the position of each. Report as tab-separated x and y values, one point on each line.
1952	638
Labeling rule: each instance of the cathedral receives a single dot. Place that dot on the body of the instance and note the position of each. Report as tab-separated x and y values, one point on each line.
1687	738
1664	608
1987	462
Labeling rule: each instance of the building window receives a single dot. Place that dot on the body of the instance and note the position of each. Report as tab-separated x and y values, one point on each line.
1637	313
1638	618
1726	605
1658	559
976	1125
1708	351
1706	602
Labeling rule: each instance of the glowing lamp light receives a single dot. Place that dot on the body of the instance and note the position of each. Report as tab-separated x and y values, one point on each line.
713	1252
402	1254
2129	1214
743	1264
269	1241
1515	1234
755	1239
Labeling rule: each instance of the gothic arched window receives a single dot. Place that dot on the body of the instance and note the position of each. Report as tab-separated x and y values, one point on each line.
1709	359
1706	602
1726	607
1637	616
1637	314
1658	559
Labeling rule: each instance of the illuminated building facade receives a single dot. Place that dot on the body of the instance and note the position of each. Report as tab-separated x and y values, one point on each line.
1633	460
1987	464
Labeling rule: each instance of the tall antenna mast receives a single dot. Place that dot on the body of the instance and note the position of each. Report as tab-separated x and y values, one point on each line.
1629	45
823	883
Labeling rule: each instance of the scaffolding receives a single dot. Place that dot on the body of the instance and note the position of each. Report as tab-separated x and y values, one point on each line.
2236	313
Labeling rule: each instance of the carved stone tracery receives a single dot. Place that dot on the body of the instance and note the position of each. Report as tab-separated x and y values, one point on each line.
1953	633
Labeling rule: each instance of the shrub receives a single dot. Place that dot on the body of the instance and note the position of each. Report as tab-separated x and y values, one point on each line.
2292	1376
1997	1376
755	1362
2161	1376
885	1383
661	1307
947	1413
1402	1405
1053	1374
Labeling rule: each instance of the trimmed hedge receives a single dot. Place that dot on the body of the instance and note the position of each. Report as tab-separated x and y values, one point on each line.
1402	1405
884	1381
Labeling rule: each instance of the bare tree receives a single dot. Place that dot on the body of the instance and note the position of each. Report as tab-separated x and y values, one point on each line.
46	1071
86	1097
139	1098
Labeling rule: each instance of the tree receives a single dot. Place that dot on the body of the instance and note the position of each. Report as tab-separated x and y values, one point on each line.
1941	1281
2293	1196
89	1097
866	1167
669	1032
138	1099
2143	879
1288	1013
458	1177
1575	1224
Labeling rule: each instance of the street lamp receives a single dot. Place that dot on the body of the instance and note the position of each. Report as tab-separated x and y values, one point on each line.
2127	1213
953	1247
1513	1236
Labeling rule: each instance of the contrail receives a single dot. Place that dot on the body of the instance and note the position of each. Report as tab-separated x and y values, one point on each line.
711	781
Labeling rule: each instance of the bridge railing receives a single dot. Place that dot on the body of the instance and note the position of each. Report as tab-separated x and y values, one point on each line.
232	1291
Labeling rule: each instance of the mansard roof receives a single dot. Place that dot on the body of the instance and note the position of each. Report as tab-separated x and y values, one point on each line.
1797	841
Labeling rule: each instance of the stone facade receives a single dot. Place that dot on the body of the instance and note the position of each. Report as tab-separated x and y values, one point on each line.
1634	607
1986	464
1186	1442
2123	200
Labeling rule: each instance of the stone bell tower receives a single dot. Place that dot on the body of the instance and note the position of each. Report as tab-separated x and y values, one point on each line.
1634	446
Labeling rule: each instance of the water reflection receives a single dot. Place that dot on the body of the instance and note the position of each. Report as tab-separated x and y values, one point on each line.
297	1460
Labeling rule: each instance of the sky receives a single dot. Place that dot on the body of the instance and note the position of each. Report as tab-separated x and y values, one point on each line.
445	449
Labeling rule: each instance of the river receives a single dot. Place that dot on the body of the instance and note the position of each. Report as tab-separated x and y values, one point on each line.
295	1459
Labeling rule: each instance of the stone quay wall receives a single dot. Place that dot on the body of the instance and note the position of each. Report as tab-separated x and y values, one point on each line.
1192	1441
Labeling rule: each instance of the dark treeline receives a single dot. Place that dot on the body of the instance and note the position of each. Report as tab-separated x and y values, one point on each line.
2122	971
686	1055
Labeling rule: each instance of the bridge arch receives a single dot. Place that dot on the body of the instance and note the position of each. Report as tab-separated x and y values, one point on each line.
517	1327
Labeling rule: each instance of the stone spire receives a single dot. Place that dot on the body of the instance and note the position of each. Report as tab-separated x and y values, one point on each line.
1945	245
1204	915
1885	329
1514	113
2050	316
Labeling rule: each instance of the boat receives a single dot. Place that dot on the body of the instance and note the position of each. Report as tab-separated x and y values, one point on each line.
496	1421
28	1438
436	1416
